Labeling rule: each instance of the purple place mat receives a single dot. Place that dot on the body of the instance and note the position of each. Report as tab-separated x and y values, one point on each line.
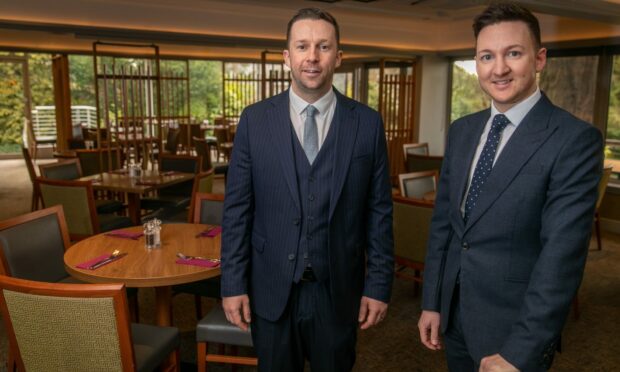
86	265
197	262
125	234
169	173
211	233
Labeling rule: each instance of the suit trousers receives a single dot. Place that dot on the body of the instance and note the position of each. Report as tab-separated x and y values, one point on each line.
458	357
308	329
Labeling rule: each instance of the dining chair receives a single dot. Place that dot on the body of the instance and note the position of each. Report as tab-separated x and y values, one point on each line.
80	327
95	161
418	185
78	202
34	204
208	209
178	196
602	187
420	163
415	149
412	221
202	150
71	169
214	328
224	145
203	183
66	169
172	140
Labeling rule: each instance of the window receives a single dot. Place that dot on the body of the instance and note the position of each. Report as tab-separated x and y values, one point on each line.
612	148
467	96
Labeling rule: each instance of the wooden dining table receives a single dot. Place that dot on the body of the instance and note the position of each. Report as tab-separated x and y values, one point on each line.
141	267
150	180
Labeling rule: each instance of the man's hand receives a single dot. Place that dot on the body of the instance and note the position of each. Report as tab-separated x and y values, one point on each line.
371	312
495	363
237	310
429	329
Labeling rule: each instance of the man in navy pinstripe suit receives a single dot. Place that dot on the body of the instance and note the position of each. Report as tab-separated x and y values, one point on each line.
307	250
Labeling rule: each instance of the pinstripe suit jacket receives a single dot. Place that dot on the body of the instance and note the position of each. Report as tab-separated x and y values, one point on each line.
522	252
262	210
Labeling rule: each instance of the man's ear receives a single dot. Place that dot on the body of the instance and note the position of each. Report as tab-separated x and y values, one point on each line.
287	58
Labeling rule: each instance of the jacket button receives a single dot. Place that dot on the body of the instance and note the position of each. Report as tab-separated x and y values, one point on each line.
311	197
295	221
309	236
291	257
465	246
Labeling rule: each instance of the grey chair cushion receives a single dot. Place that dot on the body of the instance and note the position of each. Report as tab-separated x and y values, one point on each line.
165	201
152	344
109	222
215	328
35	250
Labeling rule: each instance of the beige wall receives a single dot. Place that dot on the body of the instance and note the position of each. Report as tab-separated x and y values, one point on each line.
434	102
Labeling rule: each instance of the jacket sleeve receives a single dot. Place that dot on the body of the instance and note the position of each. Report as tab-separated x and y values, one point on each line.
565	235
380	247
439	236
238	212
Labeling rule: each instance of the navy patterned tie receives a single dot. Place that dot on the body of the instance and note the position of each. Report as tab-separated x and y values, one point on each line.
311	134
485	162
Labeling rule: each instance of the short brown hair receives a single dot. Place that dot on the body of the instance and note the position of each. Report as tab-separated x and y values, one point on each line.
315	14
507	12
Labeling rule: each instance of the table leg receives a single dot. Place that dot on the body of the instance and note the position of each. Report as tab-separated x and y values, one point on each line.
163	300
133	201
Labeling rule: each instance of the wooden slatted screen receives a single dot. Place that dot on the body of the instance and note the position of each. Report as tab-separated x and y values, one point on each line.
396	105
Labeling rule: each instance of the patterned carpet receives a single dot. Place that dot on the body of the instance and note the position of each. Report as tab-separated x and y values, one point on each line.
590	344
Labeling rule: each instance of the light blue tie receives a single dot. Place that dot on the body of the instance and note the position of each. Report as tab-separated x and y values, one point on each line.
485	162
311	134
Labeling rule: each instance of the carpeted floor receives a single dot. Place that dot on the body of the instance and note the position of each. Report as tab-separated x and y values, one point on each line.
590	344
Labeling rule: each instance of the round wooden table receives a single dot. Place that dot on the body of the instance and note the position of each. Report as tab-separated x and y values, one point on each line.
147	268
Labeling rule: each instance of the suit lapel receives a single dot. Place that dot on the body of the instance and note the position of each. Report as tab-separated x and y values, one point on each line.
345	123
279	124
468	141
529	136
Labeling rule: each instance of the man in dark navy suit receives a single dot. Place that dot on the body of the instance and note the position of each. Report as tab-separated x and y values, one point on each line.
513	212
307	250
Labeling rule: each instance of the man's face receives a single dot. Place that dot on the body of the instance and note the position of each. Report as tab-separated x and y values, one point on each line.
312	56
507	61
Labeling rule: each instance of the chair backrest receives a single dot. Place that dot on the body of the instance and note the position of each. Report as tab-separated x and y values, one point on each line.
203	183
32	245
172	140
419	163
66	169
417	184
412	221
202	150
67	327
89	160
208	208
29	164
415	149
180	163
602	184
221	134
78	203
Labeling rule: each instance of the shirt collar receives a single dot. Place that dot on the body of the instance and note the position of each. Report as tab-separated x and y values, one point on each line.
322	104
517	112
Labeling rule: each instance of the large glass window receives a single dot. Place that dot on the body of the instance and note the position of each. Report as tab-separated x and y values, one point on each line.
612	148
570	82
467	96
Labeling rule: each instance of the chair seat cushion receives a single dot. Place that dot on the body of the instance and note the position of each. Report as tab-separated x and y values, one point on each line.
153	344
206	288
215	328
108	206
109	222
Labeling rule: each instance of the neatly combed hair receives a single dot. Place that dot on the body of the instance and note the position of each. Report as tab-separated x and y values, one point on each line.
507	12
316	14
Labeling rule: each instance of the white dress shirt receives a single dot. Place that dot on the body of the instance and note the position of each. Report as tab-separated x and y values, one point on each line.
326	106
515	114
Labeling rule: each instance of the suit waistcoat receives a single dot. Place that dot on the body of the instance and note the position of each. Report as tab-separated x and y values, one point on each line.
314	182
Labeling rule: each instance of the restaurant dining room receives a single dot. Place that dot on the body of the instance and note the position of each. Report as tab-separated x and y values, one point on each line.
118	124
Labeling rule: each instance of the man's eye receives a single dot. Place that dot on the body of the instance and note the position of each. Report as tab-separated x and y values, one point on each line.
485	57
514	53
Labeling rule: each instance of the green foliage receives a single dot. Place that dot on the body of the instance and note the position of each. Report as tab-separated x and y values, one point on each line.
81	76
467	97
205	89
613	119
11	105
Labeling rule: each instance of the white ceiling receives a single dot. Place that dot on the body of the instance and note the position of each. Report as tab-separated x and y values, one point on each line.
242	28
